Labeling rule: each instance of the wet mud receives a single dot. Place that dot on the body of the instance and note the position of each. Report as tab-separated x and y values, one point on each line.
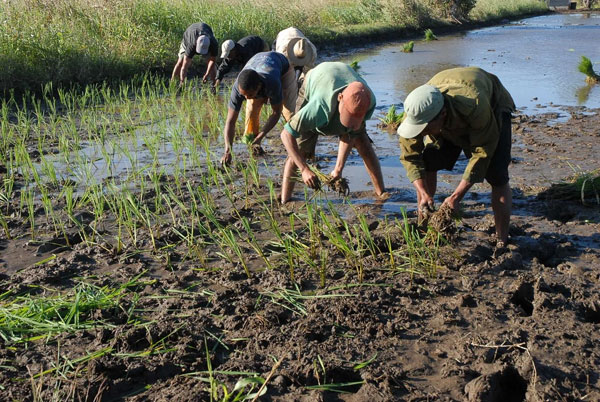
522	325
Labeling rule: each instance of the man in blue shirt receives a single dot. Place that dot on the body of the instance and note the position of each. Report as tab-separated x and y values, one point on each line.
267	77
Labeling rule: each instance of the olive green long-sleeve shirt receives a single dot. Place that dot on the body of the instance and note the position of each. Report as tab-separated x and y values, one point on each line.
474	101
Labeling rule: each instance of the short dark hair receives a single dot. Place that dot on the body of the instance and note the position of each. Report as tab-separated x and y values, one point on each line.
248	80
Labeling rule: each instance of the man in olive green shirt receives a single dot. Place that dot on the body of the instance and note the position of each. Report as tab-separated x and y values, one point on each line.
334	101
461	109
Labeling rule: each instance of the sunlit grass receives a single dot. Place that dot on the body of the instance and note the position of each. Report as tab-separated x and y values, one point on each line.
83	41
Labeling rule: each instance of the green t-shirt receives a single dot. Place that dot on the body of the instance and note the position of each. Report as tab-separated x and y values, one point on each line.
319	111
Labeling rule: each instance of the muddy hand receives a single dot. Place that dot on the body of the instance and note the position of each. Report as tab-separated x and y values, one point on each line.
426	210
311	179
226	159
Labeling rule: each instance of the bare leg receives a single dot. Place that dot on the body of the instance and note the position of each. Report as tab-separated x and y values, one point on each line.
367	153
502	206
287	184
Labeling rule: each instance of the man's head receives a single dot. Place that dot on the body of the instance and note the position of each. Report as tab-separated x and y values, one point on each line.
202	44
422	106
226	48
249	83
354	103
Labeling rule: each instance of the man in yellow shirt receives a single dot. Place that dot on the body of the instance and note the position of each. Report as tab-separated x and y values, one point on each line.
461	109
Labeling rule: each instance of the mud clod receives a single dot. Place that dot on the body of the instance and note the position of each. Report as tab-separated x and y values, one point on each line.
340	186
443	222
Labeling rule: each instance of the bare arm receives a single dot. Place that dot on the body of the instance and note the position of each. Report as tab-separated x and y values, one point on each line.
291	146
187	62
228	133
211	70
345	146
458	194
424	194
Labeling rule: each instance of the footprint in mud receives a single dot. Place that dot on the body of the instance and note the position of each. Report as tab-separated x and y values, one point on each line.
506	385
591	311
523	299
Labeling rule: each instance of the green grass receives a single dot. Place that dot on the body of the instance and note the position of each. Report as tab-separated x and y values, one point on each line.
499	9
77	42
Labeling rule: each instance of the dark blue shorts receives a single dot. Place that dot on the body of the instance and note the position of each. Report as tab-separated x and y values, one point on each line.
446	156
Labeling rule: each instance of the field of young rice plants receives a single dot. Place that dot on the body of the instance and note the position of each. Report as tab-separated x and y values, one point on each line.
121	234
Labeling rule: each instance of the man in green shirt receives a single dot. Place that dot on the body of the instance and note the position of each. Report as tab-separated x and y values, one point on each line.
461	109
333	100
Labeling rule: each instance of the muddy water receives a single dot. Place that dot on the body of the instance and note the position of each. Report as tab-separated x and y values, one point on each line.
535	58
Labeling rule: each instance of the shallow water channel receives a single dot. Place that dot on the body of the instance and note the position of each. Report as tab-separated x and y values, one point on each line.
535	58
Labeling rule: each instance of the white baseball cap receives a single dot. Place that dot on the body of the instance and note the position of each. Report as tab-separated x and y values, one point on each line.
202	44
420	107
227	47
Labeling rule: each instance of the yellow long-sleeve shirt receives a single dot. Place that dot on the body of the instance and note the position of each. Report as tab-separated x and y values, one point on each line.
474	101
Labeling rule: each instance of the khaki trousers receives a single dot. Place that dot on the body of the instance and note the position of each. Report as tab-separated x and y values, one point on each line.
289	87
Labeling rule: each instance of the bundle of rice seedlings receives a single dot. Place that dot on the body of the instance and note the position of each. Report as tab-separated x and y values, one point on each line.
582	186
408	47
442	221
587	68
339	185
392	119
429	35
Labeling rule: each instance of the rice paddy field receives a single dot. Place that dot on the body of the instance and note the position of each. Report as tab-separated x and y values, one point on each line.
134	267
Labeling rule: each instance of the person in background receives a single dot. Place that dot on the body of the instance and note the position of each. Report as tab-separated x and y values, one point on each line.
199	39
463	109
335	101
300	51
266	77
238	53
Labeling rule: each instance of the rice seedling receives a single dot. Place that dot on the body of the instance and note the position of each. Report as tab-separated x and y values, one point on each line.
586	67
420	253
429	35
392	119
581	186
408	47
355	66
26	318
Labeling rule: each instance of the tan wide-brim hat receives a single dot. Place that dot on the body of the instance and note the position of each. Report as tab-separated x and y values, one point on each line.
301	52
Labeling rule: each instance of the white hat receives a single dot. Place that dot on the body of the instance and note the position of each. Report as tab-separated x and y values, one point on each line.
202	44
227	47
420	107
301	52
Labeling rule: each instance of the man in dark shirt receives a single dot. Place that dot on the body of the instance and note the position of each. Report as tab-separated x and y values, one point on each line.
238	53
266	77
199	39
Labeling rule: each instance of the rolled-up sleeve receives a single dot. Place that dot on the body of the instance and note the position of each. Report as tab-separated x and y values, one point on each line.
412	157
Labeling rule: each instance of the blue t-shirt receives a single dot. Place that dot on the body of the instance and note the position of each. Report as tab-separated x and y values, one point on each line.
270	66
